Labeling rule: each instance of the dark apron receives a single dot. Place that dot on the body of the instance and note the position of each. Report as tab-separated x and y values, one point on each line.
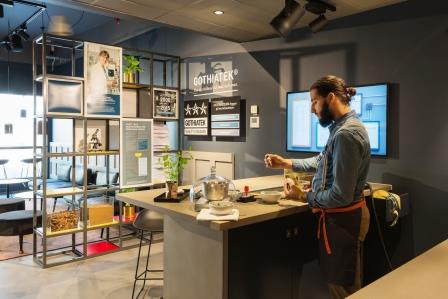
342	229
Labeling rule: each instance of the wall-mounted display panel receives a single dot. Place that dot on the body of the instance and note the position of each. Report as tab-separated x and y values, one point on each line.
305	134
103	79
64	96
226	116
136	150
165	104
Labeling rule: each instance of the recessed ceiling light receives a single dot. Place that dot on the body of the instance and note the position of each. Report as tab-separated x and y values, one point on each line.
218	12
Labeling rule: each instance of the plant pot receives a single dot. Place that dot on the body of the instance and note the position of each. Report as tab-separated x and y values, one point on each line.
171	189
128	211
129	77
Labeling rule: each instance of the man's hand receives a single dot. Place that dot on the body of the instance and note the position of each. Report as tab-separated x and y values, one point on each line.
294	192
277	162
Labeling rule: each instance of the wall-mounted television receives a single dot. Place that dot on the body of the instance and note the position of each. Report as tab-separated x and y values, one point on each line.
305	134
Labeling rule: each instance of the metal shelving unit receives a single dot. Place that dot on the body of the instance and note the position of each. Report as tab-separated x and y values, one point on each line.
45	43
42	46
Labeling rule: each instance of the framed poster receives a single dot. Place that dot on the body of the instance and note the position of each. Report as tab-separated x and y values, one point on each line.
196	117
64	96
96	135
135	152
226	116
103	80
165	103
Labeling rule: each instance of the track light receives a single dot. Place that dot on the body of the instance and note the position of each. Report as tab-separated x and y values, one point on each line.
318	23
284	22
22	32
15	43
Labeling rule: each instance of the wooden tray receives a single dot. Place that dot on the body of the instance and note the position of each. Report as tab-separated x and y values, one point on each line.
162	197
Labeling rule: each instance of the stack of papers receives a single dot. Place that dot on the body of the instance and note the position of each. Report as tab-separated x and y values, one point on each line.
205	215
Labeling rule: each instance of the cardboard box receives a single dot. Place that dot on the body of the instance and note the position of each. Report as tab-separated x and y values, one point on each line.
99	214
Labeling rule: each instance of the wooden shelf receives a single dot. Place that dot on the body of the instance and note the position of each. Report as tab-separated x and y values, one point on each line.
78	229
51	234
135	85
108	224
60	192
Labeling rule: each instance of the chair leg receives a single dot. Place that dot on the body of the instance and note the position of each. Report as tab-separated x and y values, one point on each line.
21	244
136	268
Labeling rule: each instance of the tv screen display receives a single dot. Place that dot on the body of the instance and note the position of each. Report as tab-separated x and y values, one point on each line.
305	134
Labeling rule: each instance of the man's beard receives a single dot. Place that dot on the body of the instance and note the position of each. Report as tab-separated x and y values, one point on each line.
326	117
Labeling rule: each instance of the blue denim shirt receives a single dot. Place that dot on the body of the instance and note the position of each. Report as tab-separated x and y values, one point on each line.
342	167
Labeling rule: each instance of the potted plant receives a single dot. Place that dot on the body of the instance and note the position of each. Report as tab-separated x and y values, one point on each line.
173	165
133	65
128	209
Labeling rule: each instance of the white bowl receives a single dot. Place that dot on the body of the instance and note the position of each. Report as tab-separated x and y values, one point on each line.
270	196
221	207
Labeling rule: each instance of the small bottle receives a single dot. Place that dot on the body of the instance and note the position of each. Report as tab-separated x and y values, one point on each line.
246	191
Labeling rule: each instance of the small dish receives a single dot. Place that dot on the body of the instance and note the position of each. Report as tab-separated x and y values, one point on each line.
221	207
270	196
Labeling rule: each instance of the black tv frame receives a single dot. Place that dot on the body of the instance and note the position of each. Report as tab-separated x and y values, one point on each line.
388	85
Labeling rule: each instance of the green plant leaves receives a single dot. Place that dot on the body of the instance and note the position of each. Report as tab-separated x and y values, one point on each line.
174	163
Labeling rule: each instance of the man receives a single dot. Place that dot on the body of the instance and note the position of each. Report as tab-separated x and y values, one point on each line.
98	77
336	192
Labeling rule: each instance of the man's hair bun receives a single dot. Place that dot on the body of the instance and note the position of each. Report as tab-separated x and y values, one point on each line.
350	91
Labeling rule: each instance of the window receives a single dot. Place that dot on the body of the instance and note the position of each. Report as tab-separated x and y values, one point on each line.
8	128
23	113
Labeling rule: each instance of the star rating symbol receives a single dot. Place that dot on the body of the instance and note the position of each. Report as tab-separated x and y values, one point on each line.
203	108
195	109
188	110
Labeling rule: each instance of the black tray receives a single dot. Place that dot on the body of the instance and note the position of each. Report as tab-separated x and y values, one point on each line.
162	197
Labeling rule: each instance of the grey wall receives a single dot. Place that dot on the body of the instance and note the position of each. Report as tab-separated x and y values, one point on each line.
409	53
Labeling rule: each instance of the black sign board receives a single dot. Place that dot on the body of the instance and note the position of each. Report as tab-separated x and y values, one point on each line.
165	103
196	117
226	116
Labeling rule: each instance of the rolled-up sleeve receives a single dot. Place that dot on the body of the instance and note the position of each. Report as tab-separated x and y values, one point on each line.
309	164
347	155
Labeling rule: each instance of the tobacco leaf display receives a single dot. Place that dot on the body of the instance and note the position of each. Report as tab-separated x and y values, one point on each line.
63	220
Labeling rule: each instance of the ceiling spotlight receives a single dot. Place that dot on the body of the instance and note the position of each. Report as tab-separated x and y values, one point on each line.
59	25
15	43
218	12
284	22
319	7
318	23
22	32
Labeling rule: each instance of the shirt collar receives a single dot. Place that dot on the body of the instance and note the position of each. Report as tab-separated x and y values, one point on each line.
342	119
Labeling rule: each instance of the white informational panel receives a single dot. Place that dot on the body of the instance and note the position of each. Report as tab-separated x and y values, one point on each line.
373	129
136	148
301	127
103	80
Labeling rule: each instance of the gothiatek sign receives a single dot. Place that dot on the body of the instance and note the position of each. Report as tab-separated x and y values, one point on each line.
219	79
196	117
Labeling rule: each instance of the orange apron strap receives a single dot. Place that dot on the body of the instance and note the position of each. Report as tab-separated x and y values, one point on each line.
322	219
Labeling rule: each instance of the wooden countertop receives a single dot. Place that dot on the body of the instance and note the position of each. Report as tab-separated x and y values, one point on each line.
423	277
250	213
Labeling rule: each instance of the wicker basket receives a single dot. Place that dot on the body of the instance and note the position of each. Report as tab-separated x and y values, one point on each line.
62	221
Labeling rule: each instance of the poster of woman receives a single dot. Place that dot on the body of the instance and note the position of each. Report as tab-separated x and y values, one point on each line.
102	73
